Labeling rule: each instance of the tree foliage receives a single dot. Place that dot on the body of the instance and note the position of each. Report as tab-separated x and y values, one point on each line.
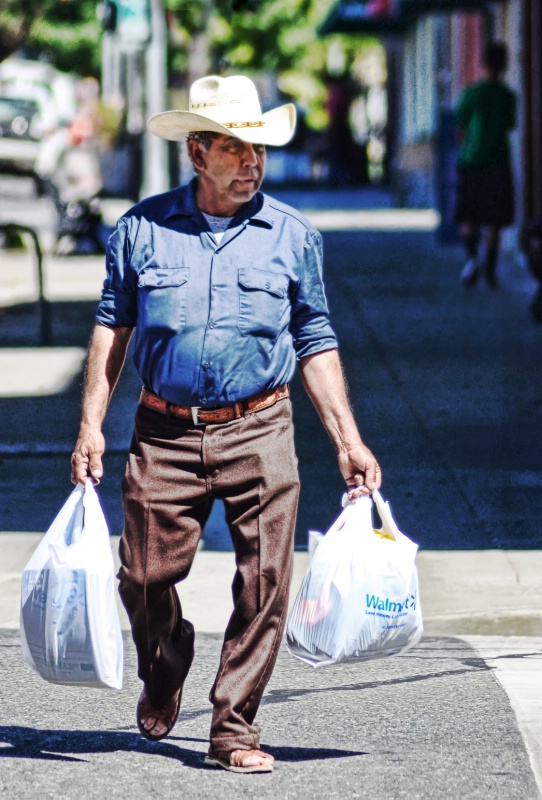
65	32
252	36
258	36
15	23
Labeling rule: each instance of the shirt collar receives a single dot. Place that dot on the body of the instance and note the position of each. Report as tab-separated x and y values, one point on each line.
256	211
183	201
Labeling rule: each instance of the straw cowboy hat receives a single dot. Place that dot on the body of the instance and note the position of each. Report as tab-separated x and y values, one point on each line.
229	106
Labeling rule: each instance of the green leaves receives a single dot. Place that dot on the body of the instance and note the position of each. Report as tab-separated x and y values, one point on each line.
67	31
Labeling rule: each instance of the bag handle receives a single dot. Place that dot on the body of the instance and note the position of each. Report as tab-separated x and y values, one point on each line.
384	512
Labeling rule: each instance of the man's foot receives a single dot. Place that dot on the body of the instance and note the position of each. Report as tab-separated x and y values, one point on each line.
156	723
242	761
470	273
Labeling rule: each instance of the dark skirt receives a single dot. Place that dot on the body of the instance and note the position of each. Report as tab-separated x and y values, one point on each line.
485	196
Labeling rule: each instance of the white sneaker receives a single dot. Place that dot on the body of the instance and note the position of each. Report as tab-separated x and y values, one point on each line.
470	272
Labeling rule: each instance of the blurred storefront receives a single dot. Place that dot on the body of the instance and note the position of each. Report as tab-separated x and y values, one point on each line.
433	49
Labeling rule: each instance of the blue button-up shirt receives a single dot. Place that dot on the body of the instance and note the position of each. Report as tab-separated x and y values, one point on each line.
216	323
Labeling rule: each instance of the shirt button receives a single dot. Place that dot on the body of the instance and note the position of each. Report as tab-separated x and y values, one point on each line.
203	401
211	324
268	285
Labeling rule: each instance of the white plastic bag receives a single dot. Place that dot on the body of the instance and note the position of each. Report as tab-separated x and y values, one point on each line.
70	629
359	599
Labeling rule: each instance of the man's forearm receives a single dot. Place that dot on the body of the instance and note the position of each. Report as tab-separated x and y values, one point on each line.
324	382
106	356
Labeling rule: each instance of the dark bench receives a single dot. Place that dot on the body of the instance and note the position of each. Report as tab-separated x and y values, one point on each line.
14	228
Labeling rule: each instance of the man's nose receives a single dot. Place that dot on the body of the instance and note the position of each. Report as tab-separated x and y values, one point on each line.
250	158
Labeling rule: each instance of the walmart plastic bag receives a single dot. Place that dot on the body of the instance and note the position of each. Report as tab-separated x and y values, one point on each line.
70	630
359	599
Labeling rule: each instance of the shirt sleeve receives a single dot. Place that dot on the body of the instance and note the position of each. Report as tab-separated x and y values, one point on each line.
309	326
118	306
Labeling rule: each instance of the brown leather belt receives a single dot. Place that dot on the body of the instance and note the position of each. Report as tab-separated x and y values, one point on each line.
203	416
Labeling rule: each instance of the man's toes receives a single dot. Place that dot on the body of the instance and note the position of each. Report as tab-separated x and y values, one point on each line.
154	725
250	758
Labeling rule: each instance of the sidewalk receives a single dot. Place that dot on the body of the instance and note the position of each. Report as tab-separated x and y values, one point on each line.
458	716
489	592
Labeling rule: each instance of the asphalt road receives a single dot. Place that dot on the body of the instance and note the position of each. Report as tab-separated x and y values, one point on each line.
431	724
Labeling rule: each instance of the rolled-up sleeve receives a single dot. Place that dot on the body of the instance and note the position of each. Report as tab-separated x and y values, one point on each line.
118	306
310	327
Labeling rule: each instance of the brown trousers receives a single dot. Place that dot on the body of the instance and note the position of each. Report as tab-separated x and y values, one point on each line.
174	472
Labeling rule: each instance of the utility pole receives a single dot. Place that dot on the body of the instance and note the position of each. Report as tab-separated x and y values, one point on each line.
134	80
155	152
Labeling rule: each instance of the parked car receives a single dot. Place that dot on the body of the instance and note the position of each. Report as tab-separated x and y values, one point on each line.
20	133
54	91
50	95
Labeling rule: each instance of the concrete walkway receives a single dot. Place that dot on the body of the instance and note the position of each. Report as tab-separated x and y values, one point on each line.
507	597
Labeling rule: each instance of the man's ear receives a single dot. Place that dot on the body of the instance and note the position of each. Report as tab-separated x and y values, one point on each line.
195	151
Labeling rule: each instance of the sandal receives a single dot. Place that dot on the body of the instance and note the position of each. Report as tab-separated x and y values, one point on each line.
233	762
167	715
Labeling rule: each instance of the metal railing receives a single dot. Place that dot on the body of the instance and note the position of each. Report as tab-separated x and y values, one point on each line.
44	307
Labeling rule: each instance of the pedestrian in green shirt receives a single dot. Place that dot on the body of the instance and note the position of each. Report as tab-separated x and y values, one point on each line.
485	113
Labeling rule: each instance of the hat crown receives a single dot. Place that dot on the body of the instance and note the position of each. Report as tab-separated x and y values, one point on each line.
229	106
232	99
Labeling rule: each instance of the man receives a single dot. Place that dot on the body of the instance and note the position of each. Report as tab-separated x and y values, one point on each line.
222	286
485	113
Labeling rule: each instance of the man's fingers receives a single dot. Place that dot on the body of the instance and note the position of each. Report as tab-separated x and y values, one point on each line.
373	476
79	468
354	490
95	466
84	467
365	482
360	470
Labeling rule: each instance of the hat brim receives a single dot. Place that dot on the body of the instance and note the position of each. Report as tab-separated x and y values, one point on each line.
277	128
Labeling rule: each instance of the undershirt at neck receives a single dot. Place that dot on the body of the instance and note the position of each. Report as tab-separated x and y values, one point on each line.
218	225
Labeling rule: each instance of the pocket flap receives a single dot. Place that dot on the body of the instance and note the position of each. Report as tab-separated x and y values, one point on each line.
158	278
251	278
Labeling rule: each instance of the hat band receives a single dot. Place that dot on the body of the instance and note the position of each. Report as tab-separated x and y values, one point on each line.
256	124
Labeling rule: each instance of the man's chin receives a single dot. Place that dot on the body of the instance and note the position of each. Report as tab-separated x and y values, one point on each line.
247	192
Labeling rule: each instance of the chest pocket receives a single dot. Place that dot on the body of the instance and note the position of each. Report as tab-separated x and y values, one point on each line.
263	301
162	298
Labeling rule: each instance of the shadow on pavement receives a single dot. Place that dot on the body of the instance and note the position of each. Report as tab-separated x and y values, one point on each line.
61	745
65	745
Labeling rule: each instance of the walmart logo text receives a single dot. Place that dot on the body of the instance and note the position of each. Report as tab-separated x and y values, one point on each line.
385	604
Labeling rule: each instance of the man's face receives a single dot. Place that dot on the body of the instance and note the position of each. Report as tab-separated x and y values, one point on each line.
230	172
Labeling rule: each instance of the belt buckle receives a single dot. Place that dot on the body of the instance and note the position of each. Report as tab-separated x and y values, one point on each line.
195	414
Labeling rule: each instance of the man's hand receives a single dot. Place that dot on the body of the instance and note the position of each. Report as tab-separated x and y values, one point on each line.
86	459
360	470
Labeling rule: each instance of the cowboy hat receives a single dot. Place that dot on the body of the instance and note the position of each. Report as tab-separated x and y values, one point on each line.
229	106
